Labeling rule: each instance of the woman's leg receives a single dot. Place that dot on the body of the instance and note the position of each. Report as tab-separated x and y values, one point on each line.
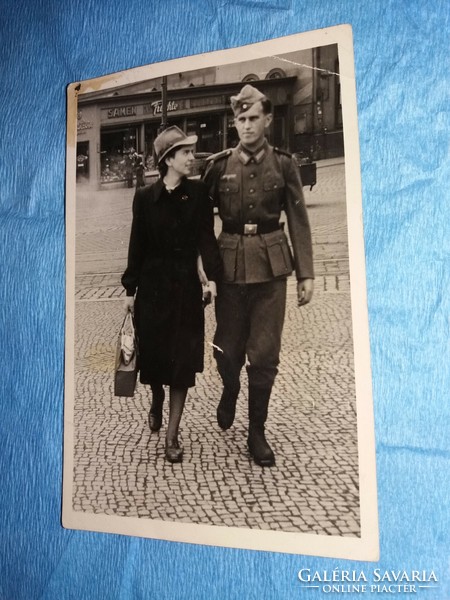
155	414
177	399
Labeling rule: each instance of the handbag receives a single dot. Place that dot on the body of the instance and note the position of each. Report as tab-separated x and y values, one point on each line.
126	366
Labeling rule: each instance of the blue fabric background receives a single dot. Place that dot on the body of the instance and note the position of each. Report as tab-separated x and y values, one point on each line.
401	51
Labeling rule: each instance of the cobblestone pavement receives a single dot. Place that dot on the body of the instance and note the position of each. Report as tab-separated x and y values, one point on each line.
119	464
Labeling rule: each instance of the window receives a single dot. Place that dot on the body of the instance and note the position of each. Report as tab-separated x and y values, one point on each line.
275	74
115	146
250	77
82	161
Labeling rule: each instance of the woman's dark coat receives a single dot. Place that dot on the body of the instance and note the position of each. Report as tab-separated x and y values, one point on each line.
168	231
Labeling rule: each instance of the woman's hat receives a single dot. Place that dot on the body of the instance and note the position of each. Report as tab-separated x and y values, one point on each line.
170	138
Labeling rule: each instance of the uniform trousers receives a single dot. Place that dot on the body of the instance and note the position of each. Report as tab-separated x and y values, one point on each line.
250	321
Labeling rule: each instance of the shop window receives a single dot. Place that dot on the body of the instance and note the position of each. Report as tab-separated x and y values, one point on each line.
116	146
208	128
150	134
232	134
82	161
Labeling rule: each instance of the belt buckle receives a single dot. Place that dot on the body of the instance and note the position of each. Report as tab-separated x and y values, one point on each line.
250	229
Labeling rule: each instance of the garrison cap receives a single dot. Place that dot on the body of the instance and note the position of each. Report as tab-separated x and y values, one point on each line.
246	98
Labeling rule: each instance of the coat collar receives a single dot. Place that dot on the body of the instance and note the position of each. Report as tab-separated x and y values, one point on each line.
157	189
159	186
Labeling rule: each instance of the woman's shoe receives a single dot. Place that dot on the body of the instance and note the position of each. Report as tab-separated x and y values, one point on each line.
174	454
155	421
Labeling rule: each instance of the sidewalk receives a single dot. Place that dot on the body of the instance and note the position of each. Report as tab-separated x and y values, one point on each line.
330	162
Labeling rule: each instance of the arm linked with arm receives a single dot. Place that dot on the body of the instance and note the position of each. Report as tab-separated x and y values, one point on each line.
207	243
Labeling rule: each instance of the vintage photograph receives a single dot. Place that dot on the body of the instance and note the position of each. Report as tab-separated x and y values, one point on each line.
218	386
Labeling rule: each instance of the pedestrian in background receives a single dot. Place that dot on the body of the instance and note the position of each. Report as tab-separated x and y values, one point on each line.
173	223
251	184
139	170
129	166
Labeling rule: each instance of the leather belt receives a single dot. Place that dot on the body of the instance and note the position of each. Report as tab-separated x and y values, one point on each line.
251	228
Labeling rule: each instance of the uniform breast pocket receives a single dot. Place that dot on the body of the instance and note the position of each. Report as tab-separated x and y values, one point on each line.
279	254
229	195
272	182
228	252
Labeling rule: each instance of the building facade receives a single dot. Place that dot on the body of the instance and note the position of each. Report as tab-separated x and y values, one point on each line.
303	88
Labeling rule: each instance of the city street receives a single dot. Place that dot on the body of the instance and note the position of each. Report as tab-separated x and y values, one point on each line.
119	464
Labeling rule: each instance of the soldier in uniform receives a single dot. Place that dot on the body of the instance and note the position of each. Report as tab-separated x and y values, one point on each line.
251	185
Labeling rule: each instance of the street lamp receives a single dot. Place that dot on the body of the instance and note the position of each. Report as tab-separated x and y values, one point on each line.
163	125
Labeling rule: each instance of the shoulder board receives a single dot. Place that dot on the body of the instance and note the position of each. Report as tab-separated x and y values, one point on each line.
284	152
218	156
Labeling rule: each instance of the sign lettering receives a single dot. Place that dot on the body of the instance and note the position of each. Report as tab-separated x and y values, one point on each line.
122	111
155	108
81	124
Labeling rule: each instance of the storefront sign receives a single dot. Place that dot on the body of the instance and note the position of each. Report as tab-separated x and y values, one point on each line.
207	101
82	125
122	111
155	108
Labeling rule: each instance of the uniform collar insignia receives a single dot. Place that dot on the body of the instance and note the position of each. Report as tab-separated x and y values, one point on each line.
258	156
245	156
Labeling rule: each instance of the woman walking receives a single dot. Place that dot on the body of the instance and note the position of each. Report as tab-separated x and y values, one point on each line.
173	226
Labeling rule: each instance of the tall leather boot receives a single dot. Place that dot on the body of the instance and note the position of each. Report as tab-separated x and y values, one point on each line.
258	404
156	409
226	410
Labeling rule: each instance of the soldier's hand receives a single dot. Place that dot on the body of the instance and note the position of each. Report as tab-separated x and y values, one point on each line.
209	293
128	304
305	289
213	289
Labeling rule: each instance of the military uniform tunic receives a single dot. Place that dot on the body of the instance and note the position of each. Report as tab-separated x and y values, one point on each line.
251	191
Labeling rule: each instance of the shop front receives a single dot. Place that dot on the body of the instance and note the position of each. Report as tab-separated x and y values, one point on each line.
126	126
